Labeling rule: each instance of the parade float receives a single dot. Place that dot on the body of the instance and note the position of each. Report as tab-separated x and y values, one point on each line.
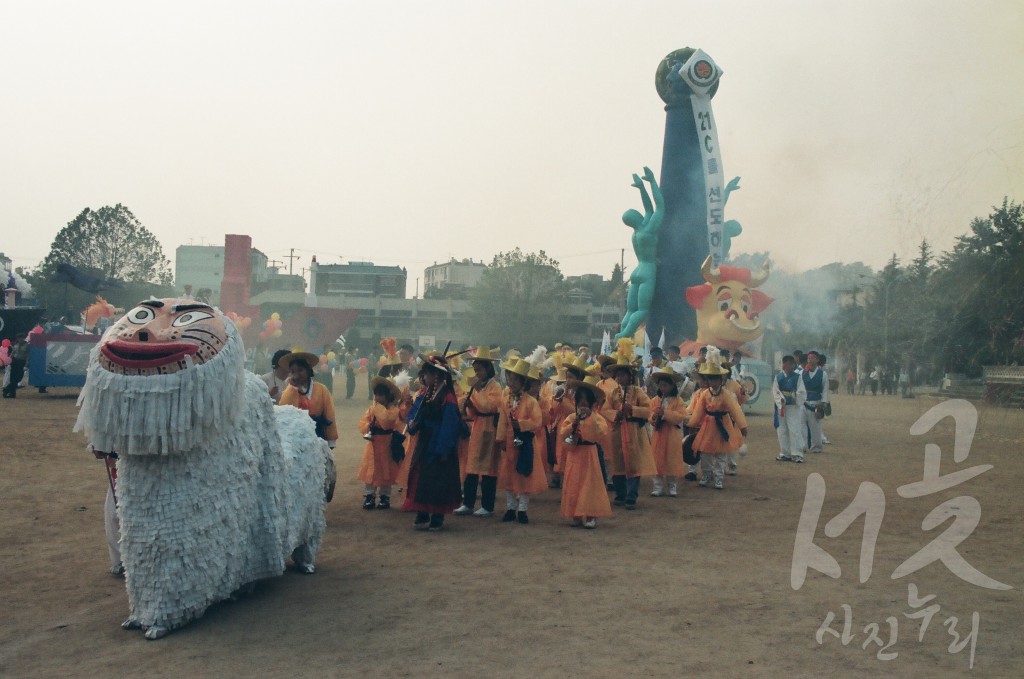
682	239
16	319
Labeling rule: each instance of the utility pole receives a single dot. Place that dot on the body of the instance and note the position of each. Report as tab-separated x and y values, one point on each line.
291	261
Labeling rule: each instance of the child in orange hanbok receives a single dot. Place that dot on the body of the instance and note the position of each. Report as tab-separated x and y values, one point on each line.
584	497
520	439
668	411
562	405
382	420
718	416
732	384
627	410
482	457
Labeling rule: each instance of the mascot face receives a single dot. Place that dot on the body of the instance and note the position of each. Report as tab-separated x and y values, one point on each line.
162	337
728	305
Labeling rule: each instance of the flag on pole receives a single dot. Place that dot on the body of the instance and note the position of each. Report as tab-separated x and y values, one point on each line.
647	354
606	343
661	340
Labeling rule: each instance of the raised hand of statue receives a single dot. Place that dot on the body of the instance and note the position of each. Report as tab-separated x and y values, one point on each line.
637	182
649	175
732	186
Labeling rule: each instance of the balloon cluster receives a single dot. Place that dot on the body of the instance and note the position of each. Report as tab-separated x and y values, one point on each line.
5	353
271	327
241	322
328	361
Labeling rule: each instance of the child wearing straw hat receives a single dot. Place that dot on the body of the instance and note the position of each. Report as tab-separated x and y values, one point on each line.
306	394
584	497
627	410
563	405
718	416
668	411
520	433
379	424
434	470
482	457
733	385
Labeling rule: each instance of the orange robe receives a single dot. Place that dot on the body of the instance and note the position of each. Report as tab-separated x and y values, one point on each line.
410	439
527	411
583	490
709	439
667	442
629	447
546	401
561	409
737	390
482	456
318	402
377	468
463	448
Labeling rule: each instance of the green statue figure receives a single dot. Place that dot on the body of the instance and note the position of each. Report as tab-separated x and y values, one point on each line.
645	245
731	228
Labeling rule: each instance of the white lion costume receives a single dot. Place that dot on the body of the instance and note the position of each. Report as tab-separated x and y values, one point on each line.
216	486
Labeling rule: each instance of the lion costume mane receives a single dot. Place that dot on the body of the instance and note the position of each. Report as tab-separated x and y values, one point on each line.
216	486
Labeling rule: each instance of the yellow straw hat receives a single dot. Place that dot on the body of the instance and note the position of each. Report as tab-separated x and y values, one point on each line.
578	367
518	366
486	354
590	384
396	393
712	364
667	372
312	359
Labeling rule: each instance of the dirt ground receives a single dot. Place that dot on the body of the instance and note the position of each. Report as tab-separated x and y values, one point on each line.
697	585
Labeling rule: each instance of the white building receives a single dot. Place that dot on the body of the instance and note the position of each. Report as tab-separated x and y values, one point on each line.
452	278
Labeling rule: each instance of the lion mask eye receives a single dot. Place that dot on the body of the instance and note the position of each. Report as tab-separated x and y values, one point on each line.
140	315
190	317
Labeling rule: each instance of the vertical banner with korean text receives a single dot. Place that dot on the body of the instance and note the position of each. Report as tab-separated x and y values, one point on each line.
701	73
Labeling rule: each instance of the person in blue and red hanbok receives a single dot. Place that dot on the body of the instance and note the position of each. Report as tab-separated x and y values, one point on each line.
434	487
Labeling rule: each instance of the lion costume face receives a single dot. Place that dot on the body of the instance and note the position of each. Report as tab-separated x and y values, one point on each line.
168	376
162	337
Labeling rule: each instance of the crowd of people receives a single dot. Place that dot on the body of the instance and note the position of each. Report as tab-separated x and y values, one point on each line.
449	430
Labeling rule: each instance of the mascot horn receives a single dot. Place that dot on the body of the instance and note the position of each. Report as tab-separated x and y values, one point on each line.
216	486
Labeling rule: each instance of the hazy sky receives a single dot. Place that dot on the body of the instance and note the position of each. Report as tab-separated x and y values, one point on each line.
407	132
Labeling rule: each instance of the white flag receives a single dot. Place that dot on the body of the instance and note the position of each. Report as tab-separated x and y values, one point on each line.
606	343
647	354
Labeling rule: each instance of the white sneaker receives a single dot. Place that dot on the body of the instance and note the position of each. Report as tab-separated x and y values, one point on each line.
463	511
781	458
718	484
482	512
732	469
590	524
657	493
672	492
703	483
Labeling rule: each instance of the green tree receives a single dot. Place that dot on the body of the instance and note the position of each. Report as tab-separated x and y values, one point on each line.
979	280
519	301
615	294
109	243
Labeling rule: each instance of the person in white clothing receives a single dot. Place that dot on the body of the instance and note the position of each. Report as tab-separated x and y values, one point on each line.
815	381
789	395
277	379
